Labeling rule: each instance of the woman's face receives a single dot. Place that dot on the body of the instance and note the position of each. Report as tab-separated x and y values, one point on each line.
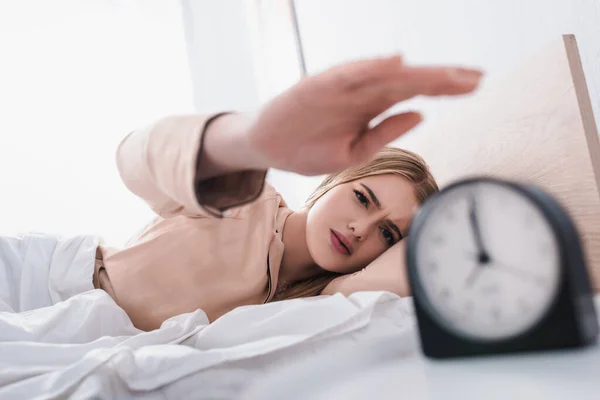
355	222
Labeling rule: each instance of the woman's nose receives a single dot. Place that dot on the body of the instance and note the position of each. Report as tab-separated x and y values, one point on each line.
361	229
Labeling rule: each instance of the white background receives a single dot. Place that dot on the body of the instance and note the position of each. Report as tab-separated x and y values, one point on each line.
490	34
75	77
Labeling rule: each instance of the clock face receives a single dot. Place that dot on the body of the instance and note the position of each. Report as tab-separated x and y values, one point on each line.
488	261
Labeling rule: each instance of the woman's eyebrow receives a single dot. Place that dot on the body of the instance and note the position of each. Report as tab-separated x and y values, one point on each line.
374	198
395	228
377	203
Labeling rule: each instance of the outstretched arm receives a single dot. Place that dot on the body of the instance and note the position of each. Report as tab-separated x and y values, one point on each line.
188	165
174	161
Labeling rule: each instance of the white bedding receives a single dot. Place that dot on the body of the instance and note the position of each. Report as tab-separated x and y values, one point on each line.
86	347
363	346
65	350
38	270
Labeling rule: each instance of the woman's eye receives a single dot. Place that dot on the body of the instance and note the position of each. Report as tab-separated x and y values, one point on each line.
362	198
388	236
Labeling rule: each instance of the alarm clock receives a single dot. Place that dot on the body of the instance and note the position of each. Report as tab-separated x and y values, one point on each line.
497	267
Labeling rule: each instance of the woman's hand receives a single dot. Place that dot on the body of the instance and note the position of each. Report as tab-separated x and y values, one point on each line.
387	272
321	124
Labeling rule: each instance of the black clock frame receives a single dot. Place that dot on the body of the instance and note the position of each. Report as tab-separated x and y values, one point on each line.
569	322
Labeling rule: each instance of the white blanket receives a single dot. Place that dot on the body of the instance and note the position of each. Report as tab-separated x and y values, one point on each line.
86	347
38	270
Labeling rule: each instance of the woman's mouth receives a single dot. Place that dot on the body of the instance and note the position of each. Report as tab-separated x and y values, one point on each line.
340	243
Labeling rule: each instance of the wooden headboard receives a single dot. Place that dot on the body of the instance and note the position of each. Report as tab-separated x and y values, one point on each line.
535	125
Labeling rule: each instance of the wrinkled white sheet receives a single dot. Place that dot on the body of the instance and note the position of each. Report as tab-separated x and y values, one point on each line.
83	346
86	347
38	270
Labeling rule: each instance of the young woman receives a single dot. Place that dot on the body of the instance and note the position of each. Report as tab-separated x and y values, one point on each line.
223	238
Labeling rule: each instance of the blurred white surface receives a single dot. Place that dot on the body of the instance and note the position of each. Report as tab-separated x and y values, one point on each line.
75	78
389	369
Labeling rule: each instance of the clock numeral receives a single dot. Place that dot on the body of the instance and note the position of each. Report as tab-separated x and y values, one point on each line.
469	307
437	240
546	249
528	220
457	318
490	290
523	306
496	314
445	293
542	282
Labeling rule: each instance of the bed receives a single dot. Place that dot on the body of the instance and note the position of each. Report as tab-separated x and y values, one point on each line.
535	125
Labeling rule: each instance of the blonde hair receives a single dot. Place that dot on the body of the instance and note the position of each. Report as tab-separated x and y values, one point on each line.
389	160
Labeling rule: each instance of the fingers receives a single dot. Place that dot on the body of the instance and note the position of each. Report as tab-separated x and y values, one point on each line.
385	132
374	85
356	75
427	81
391	73
435	81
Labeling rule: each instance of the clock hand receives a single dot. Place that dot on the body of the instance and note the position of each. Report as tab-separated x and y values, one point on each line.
500	266
473	276
518	272
475	272
483	255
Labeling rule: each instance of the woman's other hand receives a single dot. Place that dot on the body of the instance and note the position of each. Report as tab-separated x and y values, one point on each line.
321	124
387	272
